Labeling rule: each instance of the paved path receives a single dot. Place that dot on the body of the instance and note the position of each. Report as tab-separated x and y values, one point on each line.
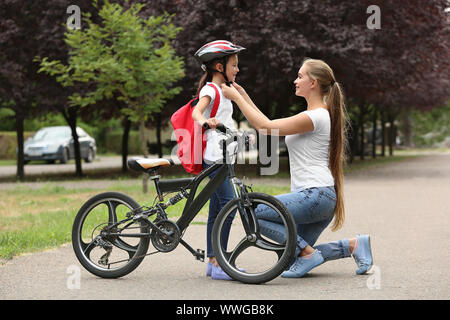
405	207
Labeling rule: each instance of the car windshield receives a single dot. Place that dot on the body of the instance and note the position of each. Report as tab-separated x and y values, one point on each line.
51	133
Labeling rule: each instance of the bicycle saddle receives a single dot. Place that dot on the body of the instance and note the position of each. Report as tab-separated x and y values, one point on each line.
144	164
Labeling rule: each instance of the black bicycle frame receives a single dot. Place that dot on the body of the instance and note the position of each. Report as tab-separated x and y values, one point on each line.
195	203
224	170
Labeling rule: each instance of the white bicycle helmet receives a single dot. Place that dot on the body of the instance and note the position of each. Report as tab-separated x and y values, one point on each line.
215	50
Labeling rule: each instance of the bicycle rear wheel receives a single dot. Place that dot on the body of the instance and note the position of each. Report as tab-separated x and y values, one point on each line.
253	257
100	252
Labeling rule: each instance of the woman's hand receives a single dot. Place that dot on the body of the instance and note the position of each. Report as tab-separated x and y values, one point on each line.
230	92
239	88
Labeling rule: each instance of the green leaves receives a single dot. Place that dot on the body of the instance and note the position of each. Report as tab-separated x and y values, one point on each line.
126	56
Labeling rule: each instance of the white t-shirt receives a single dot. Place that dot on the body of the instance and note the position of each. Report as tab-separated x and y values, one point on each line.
213	151
308	153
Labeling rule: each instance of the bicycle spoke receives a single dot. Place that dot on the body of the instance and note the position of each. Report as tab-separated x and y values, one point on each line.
240	247
270	246
87	247
131	250
111	212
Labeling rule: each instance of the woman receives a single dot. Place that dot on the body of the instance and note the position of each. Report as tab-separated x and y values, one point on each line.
316	140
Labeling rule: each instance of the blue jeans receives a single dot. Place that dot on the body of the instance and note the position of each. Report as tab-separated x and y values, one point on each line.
218	200
313	210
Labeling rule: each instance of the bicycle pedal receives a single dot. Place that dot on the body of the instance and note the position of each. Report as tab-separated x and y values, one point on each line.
200	255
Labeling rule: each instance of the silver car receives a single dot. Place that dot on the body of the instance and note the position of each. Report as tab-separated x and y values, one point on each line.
56	143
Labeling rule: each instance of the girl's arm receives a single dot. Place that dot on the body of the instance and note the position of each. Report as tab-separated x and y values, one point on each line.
286	126
197	114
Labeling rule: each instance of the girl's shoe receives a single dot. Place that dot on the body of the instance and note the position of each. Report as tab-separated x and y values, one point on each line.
302	266
218	274
363	254
209	267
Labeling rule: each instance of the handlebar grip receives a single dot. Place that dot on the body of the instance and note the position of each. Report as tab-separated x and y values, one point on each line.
221	127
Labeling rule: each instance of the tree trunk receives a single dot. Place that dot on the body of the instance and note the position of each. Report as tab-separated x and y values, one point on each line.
391	135
362	133
20	140
158	134
126	134
70	114
407	129
383	134
374	133
353	139
144	151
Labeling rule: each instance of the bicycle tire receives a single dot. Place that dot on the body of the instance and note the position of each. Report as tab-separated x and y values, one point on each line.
284	251
83	250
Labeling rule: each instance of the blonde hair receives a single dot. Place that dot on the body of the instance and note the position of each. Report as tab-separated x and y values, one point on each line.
332	92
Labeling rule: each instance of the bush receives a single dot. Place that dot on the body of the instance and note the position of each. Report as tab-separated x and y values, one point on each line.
107	141
8	143
431	128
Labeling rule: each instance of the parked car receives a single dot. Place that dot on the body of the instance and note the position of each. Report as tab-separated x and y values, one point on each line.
56	143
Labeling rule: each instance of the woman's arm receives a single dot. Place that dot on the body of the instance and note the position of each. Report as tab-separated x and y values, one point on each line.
197	114
286	126
246	97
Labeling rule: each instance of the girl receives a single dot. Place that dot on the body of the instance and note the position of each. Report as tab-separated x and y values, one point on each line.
315	139
220	62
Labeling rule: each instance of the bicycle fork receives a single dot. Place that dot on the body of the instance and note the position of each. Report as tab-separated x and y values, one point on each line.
246	211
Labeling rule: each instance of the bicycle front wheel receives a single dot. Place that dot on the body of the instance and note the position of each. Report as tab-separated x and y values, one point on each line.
100	241
251	254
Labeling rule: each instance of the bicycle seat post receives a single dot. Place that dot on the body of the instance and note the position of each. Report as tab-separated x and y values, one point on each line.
155	177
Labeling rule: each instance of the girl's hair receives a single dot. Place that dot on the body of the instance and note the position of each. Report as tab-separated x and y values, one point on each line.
331	90
210	69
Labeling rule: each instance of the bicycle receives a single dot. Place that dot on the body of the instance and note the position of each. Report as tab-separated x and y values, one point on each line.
107	244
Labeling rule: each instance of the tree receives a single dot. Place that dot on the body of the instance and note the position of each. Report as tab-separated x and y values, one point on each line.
125	55
406	64
27	29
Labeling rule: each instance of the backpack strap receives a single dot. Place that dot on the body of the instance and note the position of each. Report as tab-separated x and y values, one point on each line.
216	101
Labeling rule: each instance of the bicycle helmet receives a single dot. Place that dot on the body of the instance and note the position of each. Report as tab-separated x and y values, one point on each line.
216	50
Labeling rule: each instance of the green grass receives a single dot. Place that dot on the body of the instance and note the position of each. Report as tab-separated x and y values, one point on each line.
36	219
8	162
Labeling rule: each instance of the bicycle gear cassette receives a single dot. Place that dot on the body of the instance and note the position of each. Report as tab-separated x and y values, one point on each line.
168	239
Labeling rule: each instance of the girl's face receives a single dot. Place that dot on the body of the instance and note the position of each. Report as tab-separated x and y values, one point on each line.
232	67
303	83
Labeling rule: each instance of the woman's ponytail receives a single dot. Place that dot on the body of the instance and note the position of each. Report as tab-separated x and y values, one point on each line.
338	141
320	71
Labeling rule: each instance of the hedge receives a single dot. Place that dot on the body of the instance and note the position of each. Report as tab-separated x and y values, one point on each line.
111	143
8	143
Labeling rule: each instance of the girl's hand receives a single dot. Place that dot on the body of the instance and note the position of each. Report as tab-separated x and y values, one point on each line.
212	122
230	92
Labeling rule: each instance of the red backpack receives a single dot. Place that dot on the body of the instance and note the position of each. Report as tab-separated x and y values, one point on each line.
190	139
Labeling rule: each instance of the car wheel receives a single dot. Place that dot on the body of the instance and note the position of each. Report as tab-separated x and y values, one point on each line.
65	156
90	156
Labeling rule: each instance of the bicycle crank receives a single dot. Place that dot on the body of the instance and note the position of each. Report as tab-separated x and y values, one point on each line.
166	236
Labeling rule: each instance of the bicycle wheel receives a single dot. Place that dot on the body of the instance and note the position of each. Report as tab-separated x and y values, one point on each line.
253	258
105	255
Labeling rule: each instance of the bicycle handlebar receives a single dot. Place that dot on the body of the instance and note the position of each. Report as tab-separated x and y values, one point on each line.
221	127
224	129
